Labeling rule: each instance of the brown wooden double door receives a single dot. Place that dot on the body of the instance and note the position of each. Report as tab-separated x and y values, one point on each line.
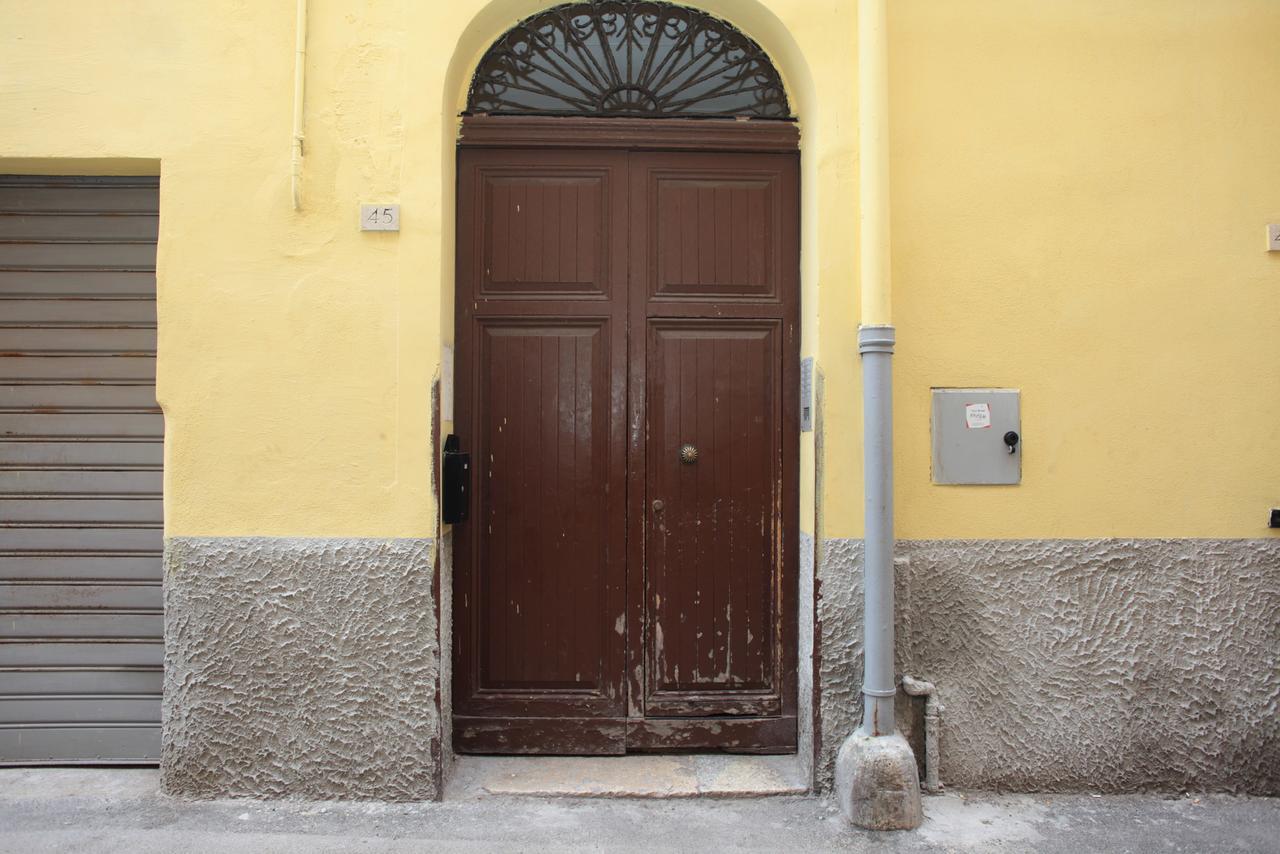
627	350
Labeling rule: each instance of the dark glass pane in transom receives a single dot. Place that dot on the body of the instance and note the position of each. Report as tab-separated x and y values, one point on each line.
627	58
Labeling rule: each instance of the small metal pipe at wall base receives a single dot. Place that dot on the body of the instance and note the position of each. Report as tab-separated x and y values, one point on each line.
933	709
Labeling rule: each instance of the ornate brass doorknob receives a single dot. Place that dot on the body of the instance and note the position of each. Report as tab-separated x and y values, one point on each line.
688	454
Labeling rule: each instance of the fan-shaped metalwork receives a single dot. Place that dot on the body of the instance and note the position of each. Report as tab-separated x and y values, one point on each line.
627	58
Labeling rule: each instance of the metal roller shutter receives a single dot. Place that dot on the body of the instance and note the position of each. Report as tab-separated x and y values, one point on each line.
81	621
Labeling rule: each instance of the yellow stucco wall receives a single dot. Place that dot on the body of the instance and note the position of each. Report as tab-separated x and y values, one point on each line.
1079	196
1080	199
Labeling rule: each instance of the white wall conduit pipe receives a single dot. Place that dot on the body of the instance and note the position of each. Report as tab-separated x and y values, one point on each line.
299	89
933	709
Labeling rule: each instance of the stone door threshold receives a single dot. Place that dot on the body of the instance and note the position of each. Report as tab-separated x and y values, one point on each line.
639	776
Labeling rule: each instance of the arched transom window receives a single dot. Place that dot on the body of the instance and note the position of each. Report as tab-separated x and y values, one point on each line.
627	58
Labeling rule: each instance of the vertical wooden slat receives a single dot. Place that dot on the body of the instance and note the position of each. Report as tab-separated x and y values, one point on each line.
721	518
533	217
586	477
517	239
706	529
498	533
675	541
669	250
756	240
706	232
567	214
723	244
562	476
550	521
592	211
550	238
498	249
738	237
689	238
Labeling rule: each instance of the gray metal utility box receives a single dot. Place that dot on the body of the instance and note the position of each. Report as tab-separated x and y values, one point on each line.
977	436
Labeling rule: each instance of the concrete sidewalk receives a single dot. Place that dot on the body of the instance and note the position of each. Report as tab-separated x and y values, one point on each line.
122	810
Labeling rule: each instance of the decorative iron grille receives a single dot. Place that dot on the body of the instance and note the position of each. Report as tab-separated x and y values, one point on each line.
627	58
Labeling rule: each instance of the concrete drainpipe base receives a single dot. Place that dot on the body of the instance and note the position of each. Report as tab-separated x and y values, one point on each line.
877	783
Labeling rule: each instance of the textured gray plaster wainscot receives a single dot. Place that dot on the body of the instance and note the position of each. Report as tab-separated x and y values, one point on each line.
839	632
301	668
804	705
1107	665
446	653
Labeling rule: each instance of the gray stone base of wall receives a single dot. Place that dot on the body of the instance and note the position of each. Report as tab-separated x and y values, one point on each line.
301	668
1105	665
312	667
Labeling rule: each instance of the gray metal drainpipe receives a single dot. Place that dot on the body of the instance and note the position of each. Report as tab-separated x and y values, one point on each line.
876	781
875	344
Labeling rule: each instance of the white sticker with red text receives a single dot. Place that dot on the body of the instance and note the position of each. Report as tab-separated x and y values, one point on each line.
977	416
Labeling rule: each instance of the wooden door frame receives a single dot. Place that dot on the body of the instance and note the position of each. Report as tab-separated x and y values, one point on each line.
713	135
710	136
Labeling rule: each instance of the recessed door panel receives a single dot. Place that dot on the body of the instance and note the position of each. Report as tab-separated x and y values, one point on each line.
544	431
545	231
714	484
709	232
